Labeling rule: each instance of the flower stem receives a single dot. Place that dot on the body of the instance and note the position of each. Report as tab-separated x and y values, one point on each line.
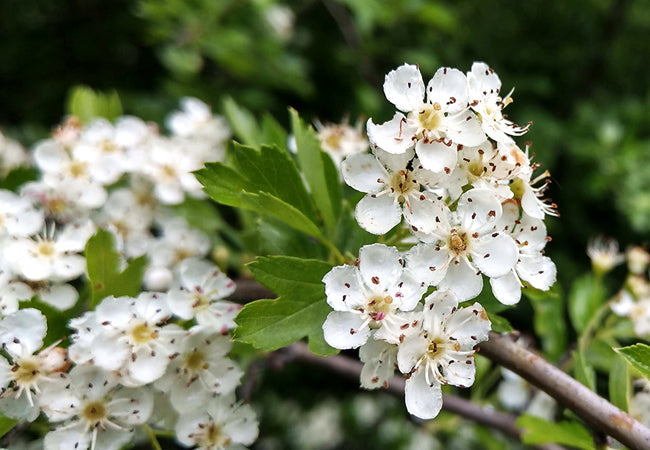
152	437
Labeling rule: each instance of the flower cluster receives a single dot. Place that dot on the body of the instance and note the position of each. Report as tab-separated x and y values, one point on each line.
445	166
167	346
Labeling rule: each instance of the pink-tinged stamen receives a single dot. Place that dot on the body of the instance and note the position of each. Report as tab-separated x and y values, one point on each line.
380	315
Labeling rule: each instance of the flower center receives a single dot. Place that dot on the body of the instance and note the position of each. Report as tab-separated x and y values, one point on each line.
45	248
458	242
429	116
436	348
214	437
94	412
77	169
402	183
27	371
377	308
108	146
195	361
142	333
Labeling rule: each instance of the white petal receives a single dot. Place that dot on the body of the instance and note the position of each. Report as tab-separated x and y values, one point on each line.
428	264
394	136
379	363
463	280
50	156
343	288
422	400
23	330
530	203
460	372
469	326
145	366
464	128
69	267
404	87
437	307
482	80
66	440
380	266
448	88
479	210
61	296
394	162
408	291
494	254
538	270
378	215
345	330
364	173
242	426
436	156
422	213
410	351
507	288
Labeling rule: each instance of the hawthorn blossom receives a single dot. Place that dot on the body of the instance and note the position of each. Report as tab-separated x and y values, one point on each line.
18	216
341	140
442	352
604	254
95	411
199	293
464	244
223	424
371	295
379	359
199	371
130	335
434	126
483	90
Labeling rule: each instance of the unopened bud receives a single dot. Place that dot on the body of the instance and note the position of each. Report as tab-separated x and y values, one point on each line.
637	260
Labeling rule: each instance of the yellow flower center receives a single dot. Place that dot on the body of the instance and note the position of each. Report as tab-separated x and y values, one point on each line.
458	242
142	333
27	371
195	361
402	183
94	412
430	117
45	248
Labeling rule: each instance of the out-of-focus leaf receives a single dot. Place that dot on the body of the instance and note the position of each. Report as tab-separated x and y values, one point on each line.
540	431
638	356
549	320
103	267
500	324
583	372
299	310
619	383
6	424
319	171
586	296
17	177
200	214
273	133
243	123
87	104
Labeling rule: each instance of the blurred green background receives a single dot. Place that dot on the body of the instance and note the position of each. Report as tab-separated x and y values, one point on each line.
579	68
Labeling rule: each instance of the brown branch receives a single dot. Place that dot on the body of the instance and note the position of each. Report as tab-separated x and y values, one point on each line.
592	408
249	290
351	368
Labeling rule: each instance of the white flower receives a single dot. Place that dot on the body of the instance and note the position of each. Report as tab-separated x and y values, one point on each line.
532	266
432	125
95	411
195	120
200	371
638	259
199	293
53	256
604	254
18	217
129	335
484	86
222	425
369	295
396	185
464	244
441	353
341	140
12	155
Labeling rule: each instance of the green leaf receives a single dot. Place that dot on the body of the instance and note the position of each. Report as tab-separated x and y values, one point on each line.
277	238
638	356
548	321
586	296
57	320
319	170
200	214
6	424
500	324
88	104
242	122
299	310
540	431
273	133
619	383
17	177
584	372
103	267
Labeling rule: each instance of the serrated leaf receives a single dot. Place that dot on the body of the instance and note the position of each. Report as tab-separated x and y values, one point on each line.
319	170
540	431
6	424
103	267
638	356
619	383
548	321
299	310
242	122
586	296
277	238
273	133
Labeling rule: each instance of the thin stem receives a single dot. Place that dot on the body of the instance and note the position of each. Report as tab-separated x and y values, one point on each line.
585	338
592	408
152	437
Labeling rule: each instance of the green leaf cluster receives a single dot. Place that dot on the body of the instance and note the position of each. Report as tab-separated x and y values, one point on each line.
87	104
